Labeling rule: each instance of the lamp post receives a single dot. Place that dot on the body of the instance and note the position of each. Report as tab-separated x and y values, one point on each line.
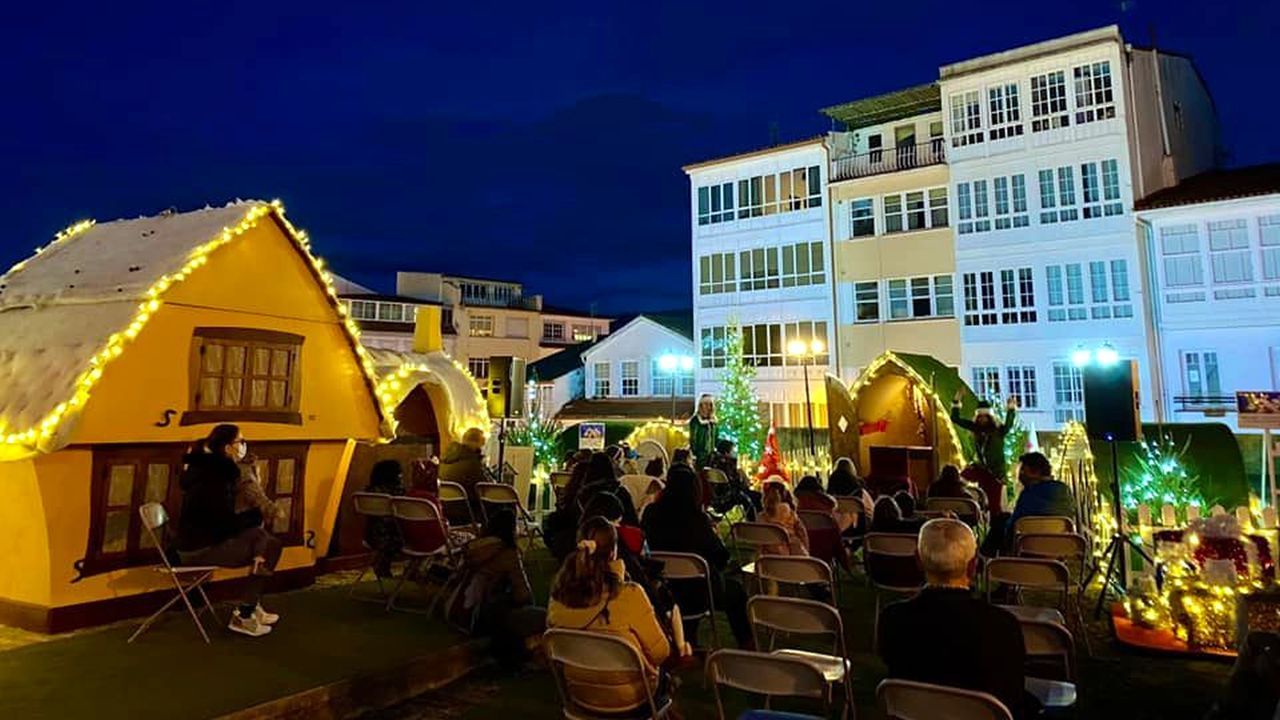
672	365
806	353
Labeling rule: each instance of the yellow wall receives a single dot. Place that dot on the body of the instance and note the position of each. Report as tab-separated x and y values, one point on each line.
256	281
882	257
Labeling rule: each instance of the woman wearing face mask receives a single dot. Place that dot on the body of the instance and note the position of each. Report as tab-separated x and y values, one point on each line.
210	532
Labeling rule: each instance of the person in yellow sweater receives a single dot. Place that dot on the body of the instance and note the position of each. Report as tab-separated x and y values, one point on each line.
591	593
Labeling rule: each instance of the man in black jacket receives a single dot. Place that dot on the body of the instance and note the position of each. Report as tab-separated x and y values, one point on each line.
946	636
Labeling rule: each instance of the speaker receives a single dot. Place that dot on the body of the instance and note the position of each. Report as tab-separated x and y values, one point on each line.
1111	407
506	386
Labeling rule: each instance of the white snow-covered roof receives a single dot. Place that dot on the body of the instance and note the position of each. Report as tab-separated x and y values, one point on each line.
63	309
400	372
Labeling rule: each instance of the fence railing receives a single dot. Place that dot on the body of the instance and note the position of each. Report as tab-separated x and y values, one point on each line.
876	162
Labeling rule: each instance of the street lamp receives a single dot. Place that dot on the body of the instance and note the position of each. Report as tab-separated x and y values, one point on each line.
807	353
672	365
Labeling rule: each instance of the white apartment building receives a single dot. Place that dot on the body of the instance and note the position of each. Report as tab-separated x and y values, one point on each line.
762	260
1213	248
1048	146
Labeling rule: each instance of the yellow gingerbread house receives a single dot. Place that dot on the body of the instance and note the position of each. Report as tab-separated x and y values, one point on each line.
120	344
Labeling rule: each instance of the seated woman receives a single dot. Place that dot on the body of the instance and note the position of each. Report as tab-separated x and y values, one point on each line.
589	593
887	518
676	522
824	542
494	596
209	532
780	510
950	485
843	482
381	533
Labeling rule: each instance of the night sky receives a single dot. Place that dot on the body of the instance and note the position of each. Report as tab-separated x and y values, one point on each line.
534	141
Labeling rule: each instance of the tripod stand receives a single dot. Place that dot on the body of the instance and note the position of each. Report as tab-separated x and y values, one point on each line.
1117	575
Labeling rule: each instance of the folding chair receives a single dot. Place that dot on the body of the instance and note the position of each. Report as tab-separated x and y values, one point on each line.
909	700
690	567
1072	549
768	675
794	617
890	562
1044	524
426	543
965	509
636	486
505	495
1035	574
796	570
154	518
368	506
717	481
559	480
576	656
456	506
1053	642
755	535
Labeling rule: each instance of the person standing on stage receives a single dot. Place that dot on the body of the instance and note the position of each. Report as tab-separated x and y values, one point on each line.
703	432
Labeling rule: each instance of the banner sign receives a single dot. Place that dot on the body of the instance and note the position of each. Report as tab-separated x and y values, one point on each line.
591	436
1258	409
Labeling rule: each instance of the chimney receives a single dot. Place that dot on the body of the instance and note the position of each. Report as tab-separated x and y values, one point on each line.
426	330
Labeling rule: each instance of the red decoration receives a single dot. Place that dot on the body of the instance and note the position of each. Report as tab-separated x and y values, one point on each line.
771	462
878	426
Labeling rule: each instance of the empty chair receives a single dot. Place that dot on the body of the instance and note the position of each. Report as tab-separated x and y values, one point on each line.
687	566
187	579
1070	548
1034	574
371	505
504	495
909	700
796	570
965	509
770	675
1044	524
792	618
753	536
456	506
1050	642
426	544
890	563
572	653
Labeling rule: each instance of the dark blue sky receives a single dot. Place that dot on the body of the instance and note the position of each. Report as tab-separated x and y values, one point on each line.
538	141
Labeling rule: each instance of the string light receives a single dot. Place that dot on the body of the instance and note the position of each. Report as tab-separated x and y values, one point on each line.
30	439
957	457
395	379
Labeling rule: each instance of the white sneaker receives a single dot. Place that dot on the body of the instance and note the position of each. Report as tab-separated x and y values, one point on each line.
264	617
248	626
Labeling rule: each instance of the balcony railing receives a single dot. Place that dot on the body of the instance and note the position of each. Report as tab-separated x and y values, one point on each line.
1210	405
902	157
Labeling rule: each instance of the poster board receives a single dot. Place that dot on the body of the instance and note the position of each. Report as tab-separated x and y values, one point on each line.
591	436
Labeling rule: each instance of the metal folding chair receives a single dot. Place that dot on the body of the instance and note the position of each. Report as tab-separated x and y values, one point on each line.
1033	574
505	496
370	506
1050	641
1037	524
456	505
797	570
889	560
154	518
793	617
426	543
754	536
687	566
770	675
909	700
967	510
1071	549
575	654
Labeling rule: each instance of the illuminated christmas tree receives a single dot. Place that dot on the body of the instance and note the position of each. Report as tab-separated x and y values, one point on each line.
738	408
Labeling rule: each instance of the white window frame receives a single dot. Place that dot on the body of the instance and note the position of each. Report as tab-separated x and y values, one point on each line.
1201	367
966	118
1022	386
480	325
1059	201
552	330
708	264
979	298
806	331
1068	392
629	378
769	275
973	199
938	291
1010	202
1236	251
986	382
1049	109
1094	92
1182	263
1003	111
479	368
808	264
600	383
1017	296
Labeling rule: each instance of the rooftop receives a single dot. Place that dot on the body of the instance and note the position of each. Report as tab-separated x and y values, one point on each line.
888	107
1217	185
1110	33
755	153
561	363
382	297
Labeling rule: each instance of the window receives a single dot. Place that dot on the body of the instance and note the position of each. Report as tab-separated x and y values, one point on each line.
1049	101
938	207
601	372
244	374
281	469
715	203
1017	296
1010	202
630	378
759	269
892	213
662	380
805	332
1022	385
866	301
479	368
1068	305
1094	98
1108	297
393	312
975	207
1269	239
1064	200
480	325
915	210
713	347
803	264
1004	113
921	297
1111	188
553	331
979	298
875	148
1200	374
1120	289
364	310
1068	392
863	217
964	201
1229	256
1183	267
966	118
1093	189
716	274
762	345
583	333
986	382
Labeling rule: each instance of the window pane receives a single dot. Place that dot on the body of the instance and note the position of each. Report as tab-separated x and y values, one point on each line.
279	394
258	394
285	468
232	390
235	360
157	482
210	391
261	361
115	531
212	358
120	485
281	522
280	363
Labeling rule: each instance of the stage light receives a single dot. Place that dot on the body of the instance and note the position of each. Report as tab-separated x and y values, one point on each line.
686	363
1107	356
1081	357
668	362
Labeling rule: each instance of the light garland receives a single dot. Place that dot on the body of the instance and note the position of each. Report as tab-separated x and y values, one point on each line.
389	386
46	428
869	374
671	430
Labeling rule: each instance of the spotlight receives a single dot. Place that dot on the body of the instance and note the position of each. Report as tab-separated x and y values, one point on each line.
1107	356
1081	357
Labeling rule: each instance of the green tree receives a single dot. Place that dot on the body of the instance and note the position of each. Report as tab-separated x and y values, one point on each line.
738	408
